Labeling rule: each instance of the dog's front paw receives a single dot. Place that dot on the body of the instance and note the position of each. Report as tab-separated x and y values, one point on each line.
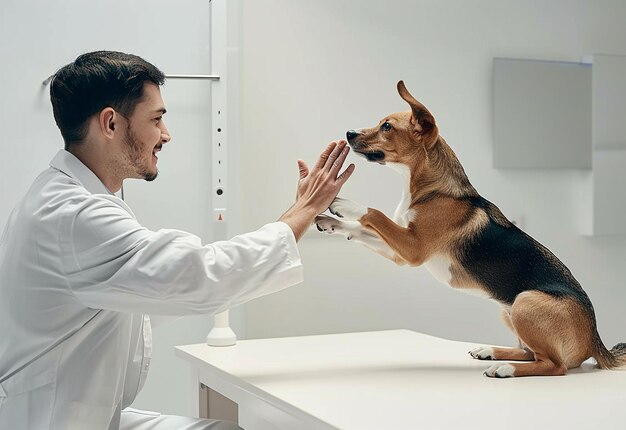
330	225
326	223
349	229
482	353
500	371
347	209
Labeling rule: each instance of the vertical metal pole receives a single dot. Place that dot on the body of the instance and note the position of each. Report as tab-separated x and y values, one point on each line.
221	334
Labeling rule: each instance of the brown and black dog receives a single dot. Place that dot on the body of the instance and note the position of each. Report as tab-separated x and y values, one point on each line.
467	243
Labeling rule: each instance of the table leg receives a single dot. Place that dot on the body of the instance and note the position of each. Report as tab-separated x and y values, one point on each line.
216	406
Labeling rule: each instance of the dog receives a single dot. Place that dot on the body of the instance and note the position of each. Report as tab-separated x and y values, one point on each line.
467	243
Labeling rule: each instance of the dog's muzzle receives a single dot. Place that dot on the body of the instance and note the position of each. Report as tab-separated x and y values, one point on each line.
376	156
362	149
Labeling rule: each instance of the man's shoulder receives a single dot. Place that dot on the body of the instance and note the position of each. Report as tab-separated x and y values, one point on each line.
52	189
55	194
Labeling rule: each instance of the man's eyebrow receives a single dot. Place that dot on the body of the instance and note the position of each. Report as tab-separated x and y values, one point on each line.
162	111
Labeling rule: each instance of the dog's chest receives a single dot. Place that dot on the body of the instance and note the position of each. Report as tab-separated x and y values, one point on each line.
403	215
439	267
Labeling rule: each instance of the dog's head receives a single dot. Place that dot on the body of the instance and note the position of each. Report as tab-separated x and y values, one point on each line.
399	137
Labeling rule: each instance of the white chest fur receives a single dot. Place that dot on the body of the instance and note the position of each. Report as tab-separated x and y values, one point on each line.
439	267
403	215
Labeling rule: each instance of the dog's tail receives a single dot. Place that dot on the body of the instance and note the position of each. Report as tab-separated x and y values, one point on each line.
610	359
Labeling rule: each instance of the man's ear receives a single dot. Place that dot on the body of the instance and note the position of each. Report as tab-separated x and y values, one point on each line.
108	120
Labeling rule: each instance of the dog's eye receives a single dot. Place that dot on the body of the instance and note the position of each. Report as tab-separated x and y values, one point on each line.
386	126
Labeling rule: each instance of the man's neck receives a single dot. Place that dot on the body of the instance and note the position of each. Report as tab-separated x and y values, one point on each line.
100	165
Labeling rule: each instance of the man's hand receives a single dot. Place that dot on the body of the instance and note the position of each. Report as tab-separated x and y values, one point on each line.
317	188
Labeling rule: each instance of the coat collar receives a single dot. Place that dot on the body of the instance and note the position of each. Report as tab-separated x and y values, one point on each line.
68	164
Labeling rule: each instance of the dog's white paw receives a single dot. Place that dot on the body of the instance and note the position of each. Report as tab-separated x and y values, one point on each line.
347	209
327	224
482	353
330	225
500	371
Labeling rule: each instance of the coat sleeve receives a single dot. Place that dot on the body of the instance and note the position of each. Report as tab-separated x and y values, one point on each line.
111	262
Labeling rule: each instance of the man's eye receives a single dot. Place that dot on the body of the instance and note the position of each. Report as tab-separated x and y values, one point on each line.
158	118
386	126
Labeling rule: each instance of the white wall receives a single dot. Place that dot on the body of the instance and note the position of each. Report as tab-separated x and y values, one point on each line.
36	38
312	70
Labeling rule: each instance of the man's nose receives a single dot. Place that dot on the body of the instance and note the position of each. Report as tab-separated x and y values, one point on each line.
165	134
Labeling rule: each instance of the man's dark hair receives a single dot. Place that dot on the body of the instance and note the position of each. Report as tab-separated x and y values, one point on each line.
94	81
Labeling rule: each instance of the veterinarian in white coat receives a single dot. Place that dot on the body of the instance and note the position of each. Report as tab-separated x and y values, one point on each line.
79	275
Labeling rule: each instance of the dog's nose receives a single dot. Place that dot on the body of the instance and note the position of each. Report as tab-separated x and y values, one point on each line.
351	134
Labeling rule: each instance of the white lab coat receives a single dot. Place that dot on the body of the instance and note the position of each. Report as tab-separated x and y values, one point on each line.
78	274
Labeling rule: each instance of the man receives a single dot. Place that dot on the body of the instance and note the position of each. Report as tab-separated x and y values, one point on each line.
79	274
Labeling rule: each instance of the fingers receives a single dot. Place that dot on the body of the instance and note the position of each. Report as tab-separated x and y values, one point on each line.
333	159
345	175
319	186
336	164
303	169
321	162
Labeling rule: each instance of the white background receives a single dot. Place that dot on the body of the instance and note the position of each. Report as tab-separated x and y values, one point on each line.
310	71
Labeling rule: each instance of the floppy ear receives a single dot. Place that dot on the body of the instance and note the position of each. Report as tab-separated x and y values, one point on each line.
421	115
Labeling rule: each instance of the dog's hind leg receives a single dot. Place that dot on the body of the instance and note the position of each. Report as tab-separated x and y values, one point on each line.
542	366
496	353
556	330
521	353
